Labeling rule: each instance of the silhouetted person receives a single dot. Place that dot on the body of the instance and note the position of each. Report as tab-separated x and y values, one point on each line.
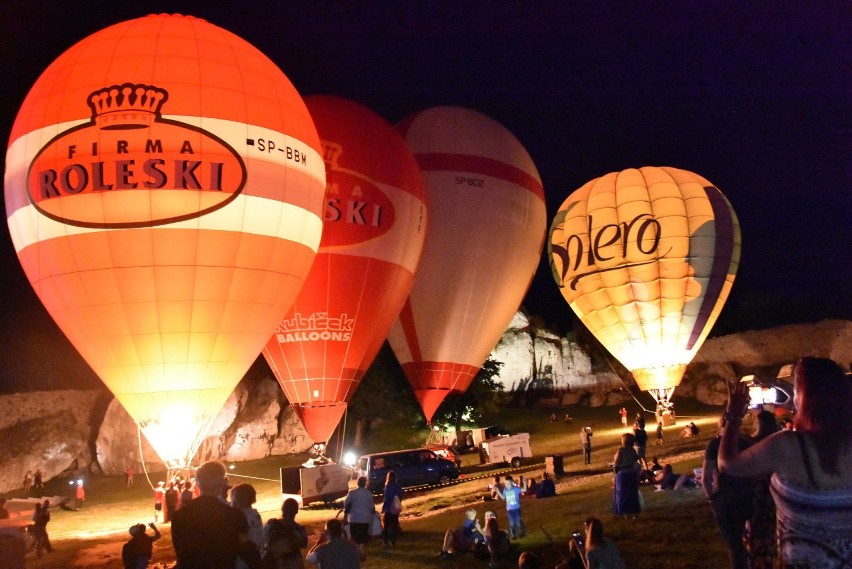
333	551
137	551
285	538
208	534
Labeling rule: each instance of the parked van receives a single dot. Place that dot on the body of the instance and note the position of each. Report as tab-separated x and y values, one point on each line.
412	467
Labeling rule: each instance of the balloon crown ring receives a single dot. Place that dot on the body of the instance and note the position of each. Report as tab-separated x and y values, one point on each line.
127	103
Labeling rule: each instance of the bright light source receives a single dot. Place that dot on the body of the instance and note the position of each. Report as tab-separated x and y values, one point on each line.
762	395
174	433
350	459
436	428
80	481
231	467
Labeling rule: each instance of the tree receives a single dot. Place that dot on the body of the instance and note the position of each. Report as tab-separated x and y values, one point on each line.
481	397
384	392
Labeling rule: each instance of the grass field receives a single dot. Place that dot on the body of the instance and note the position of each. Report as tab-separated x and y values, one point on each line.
676	529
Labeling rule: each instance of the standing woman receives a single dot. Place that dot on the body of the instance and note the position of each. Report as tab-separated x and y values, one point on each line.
391	509
627	469
810	467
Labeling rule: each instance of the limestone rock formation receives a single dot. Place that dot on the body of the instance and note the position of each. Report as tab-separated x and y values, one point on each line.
46	430
537	359
784	344
745	353
292	437
257	428
118	442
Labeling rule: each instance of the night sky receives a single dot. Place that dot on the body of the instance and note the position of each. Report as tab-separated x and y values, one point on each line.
757	101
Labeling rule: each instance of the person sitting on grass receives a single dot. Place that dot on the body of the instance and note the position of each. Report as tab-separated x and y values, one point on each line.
690	430
466	538
497	541
531	488
333	550
597	551
667	479
547	488
530	560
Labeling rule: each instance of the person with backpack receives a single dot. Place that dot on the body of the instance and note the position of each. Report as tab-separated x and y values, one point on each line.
284	539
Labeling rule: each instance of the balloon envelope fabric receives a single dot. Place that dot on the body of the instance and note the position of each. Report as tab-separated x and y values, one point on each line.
374	227
646	258
487	223
164	188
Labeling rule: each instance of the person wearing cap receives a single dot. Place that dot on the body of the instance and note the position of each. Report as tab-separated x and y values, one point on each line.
207	534
137	552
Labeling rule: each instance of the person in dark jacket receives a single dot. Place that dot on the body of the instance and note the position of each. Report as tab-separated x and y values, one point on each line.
207	534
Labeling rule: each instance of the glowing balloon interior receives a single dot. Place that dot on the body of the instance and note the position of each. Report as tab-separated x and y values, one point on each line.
164	188
487	222
374	227
646	258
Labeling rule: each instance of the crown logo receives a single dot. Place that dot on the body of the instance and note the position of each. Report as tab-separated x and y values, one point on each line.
128	104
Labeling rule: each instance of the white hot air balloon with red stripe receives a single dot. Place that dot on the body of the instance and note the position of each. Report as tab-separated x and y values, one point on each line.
374	229
487	223
164	190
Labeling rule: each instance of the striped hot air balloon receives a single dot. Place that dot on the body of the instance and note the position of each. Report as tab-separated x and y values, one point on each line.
374	229
646	258
487	223
164	188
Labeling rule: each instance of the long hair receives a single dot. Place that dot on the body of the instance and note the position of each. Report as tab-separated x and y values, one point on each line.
594	532
391	478
492	528
766	425
824	398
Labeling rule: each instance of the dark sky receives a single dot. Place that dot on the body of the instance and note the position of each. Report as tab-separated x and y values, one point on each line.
755	100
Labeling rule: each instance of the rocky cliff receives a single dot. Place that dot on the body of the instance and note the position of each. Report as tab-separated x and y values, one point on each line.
537	359
58	430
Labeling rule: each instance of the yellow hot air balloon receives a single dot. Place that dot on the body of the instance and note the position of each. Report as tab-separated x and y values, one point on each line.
164	191
646	258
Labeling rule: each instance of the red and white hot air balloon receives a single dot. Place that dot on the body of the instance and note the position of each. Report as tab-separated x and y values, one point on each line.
487	223
373	232
164	191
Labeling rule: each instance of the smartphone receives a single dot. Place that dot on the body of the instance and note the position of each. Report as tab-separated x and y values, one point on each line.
578	537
